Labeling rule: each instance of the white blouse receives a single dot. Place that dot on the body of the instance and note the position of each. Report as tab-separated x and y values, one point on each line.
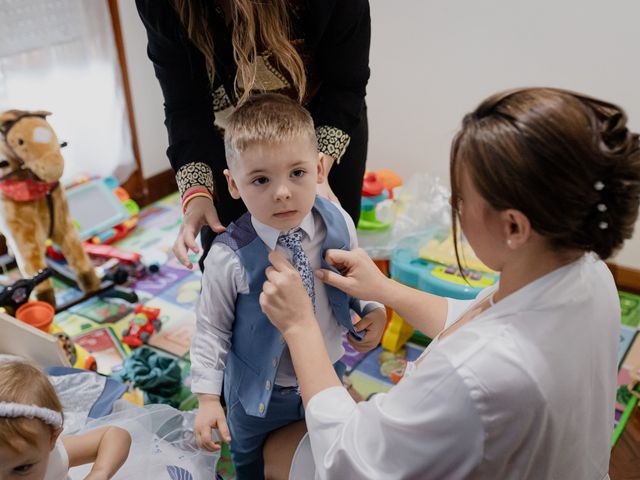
525	390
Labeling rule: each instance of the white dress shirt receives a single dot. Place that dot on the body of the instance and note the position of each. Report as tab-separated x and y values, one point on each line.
525	390
224	279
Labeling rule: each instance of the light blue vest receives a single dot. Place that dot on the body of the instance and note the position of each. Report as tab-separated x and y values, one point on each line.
256	345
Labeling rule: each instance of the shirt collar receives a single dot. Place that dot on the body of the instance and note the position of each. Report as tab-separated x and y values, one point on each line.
269	235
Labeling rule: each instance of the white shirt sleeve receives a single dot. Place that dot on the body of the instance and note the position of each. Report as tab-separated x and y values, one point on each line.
426	427
224	278
365	306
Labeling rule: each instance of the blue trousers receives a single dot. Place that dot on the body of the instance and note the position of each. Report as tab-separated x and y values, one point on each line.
248	433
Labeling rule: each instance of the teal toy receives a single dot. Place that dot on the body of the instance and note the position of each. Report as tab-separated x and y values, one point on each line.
408	268
442	280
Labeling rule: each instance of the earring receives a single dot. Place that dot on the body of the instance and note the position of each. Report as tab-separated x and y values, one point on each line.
509	243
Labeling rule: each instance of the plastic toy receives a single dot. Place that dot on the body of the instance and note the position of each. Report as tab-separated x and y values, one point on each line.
40	315
144	323
33	206
110	286
373	194
101	210
409	268
17	294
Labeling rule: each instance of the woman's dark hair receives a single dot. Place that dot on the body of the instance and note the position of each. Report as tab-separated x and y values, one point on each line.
567	161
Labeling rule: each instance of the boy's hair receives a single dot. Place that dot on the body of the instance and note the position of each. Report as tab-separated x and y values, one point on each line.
25	384
565	160
267	118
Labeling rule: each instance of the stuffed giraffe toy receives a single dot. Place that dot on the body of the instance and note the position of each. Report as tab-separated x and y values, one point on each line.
33	206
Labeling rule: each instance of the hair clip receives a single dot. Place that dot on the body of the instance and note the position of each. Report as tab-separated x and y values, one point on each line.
603	225
601	207
598	185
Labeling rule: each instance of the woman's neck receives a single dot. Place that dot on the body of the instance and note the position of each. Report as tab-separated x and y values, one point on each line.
526	267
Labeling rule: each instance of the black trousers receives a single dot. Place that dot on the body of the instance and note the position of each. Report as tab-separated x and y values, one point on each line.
345	180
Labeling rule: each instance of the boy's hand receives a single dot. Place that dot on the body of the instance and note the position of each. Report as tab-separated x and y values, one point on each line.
372	324
210	415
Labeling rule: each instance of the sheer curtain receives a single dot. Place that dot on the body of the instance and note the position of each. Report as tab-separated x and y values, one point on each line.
60	56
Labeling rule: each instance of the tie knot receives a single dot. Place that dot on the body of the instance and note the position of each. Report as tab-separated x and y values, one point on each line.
291	240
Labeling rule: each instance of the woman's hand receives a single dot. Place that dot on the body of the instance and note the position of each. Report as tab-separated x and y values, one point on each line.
284	299
200	211
360	277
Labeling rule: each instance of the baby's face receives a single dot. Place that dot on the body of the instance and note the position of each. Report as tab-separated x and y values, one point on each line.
277	181
28	461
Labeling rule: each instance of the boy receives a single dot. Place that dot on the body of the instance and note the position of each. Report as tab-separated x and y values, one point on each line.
274	167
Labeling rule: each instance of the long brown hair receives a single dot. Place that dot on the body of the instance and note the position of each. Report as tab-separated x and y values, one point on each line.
565	160
265	20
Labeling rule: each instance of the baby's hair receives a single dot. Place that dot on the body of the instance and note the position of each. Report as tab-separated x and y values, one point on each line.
267	118
565	160
24	384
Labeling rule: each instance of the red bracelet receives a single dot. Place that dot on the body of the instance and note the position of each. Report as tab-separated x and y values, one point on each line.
193	190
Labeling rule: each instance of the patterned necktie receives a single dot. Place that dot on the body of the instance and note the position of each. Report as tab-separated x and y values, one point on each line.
293	242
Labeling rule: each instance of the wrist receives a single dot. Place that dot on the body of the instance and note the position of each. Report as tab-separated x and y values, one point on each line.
304	328
208	398
194	192
388	291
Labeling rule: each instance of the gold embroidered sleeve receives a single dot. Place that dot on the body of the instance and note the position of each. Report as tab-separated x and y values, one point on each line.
194	174
332	141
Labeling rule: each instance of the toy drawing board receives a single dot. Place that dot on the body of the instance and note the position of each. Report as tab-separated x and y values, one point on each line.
95	208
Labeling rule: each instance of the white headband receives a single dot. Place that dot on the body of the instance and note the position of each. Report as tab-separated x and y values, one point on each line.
13	410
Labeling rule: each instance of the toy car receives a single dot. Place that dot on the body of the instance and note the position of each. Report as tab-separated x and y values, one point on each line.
144	323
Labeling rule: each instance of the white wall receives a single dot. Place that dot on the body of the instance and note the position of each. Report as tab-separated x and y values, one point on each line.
432	61
145	92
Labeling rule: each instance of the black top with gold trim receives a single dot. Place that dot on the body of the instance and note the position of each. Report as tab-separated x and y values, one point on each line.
332	37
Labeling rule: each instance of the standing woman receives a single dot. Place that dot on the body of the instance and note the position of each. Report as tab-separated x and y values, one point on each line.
210	55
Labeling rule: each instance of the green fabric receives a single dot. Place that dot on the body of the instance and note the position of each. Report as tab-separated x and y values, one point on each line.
159	377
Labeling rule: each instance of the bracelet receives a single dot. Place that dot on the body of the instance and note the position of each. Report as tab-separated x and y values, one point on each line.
191	196
195	189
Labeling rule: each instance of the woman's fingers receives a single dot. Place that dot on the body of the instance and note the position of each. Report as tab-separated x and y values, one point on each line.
189	237
180	251
211	217
334	279
339	258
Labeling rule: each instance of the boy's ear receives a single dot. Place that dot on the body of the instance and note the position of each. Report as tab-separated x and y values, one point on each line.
321	169
231	185
517	228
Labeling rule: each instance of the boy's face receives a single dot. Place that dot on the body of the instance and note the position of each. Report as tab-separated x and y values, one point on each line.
277	181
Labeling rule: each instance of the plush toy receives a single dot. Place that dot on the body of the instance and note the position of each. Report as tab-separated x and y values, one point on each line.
33	206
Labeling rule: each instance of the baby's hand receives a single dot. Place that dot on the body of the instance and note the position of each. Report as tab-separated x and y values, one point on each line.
210	415
372	324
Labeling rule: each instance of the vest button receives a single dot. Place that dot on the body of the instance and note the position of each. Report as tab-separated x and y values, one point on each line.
261	408
274	362
267	385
